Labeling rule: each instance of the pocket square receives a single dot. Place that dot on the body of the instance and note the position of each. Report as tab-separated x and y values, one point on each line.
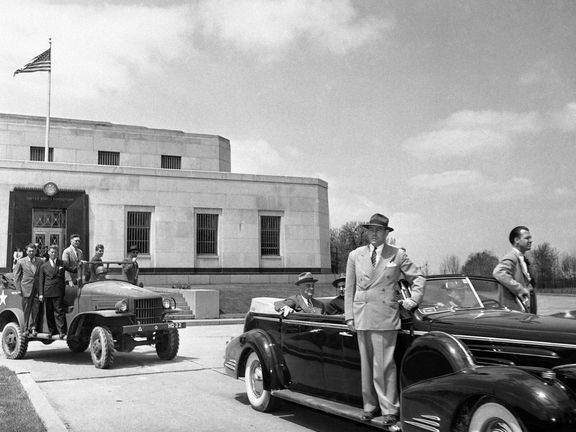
392	264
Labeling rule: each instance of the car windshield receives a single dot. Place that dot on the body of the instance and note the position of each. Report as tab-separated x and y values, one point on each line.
449	294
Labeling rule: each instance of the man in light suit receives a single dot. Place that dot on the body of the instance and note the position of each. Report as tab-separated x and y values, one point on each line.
72	257
513	269
304	301
372	303
26	281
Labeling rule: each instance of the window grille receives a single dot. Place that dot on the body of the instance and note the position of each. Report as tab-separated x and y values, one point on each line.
37	154
206	234
138	230
108	158
48	218
171	162
270	235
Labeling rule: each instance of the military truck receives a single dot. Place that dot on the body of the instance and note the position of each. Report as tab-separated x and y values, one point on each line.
106	315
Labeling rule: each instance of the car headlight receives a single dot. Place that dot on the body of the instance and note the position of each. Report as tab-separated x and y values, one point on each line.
168	303
121	306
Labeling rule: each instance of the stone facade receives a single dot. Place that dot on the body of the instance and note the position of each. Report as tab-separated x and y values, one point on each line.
101	196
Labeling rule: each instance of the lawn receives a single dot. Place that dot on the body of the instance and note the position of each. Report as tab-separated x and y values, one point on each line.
16	411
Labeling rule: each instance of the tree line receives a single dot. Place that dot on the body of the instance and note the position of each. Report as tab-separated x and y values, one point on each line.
550	268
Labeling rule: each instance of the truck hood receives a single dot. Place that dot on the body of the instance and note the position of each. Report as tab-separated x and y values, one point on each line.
117	289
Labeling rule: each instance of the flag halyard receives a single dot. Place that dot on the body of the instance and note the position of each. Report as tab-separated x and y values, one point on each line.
40	63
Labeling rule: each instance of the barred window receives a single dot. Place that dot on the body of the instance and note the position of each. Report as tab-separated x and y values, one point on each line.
270	235
37	154
206	234
171	162
108	158
138	230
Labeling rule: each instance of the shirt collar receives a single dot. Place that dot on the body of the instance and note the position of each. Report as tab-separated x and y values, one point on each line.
518	252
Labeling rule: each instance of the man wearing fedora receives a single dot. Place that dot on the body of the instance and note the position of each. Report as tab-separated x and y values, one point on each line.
304	301
130	269
372	304
336	305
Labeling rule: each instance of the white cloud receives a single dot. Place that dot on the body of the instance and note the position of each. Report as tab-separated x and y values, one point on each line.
466	133
269	27
473	185
565	119
97	48
542	74
260	157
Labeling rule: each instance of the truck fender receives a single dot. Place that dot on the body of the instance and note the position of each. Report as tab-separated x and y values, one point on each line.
12	315
97	318
442	354
276	375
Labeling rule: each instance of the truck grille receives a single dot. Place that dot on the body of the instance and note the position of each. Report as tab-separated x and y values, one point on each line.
148	311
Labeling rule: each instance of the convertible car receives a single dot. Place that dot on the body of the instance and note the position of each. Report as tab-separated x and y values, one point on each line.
470	359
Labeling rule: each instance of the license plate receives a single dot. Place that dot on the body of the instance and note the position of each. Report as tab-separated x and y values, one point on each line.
144	328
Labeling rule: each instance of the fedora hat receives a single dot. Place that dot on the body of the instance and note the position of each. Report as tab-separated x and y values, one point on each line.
378	220
305	278
133	248
341	278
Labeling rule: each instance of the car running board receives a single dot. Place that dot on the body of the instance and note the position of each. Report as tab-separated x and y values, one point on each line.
45	336
331	407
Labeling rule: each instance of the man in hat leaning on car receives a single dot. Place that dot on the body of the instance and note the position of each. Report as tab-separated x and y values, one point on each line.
336	305
372	305
130	269
304	301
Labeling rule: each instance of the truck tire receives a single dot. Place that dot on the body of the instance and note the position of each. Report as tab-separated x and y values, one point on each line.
14	343
102	347
492	416
260	399
78	345
167	344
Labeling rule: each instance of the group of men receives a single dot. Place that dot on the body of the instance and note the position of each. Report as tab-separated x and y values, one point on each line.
369	298
42	282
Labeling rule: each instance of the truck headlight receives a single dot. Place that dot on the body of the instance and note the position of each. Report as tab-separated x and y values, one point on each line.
121	306
168	303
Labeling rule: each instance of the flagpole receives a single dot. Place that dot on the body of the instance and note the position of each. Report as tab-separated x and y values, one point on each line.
47	138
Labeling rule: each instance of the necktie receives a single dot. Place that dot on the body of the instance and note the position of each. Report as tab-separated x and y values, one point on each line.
373	257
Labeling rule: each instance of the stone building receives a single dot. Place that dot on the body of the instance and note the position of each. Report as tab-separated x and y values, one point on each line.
172	193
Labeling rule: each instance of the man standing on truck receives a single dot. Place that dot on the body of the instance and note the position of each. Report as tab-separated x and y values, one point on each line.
26	281
52	290
131	269
72	257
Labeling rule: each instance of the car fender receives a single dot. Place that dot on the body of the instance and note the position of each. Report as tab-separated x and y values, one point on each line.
12	315
276	375
99	317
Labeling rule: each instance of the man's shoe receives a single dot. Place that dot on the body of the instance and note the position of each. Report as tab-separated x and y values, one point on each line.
369	415
390	419
62	336
33	332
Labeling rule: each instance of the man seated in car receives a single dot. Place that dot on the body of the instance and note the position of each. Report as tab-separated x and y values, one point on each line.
304	301
336	305
454	295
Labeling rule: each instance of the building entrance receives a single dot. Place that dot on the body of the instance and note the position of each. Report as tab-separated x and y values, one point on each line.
49	227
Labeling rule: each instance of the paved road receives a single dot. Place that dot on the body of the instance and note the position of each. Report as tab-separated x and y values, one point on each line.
142	393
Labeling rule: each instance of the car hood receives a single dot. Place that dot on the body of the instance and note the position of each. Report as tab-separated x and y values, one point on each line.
506	324
119	289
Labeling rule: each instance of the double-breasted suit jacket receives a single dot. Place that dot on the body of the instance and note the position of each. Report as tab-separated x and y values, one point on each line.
52	279
26	275
298	303
371	296
509	273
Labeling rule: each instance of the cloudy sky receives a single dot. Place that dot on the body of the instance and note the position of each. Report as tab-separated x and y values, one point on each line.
457	119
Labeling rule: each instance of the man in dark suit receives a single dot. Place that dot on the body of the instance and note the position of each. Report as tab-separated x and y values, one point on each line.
131	269
513	269
336	305
372	304
304	301
94	262
52	290
26	280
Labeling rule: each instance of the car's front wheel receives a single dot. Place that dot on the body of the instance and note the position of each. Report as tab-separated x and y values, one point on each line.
102	347
492	416
260	399
167	344
14	343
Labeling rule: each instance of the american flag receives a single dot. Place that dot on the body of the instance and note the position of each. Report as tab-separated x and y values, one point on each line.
37	64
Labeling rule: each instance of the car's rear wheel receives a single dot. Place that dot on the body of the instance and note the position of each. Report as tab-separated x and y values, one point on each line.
260	399
102	347
78	345
167	344
493	417
14	343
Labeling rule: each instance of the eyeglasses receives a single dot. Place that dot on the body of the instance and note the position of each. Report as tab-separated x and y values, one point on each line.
341	286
